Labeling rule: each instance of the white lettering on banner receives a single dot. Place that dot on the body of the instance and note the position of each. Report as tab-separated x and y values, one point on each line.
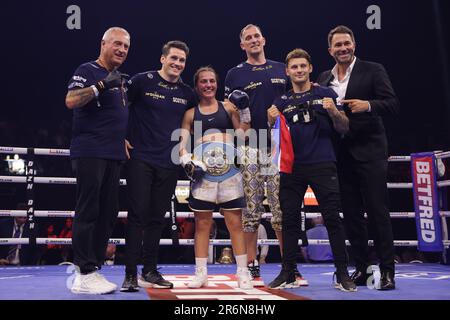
425	201
423	178
427	230
427	190
426	212
422	167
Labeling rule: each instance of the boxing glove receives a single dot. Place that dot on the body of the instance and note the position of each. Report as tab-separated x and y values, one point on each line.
194	169
241	100
112	80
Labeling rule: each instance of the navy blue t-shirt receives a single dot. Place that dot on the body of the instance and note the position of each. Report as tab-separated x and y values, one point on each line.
98	128
156	110
262	83
312	141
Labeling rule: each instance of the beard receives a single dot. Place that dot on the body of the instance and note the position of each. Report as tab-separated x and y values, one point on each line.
350	55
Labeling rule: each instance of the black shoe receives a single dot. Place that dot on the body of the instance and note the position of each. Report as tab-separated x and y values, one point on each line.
130	284
387	281
254	269
285	280
344	282
154	279
360	277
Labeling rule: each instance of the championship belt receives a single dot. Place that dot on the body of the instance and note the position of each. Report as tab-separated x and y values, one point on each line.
222	181
219	160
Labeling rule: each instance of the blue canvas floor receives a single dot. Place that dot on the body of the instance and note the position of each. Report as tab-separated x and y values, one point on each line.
414	282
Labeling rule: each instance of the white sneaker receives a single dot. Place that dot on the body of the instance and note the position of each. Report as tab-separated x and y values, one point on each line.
200	279
76	282
244	278
102	278
92	283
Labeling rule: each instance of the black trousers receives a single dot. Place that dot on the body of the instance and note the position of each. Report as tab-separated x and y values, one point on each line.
322	178
97	206
364	189
149	190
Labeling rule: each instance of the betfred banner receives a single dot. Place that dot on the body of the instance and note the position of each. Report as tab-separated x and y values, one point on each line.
426	204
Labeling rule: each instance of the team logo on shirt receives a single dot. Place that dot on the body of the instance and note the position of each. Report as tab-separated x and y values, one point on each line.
79	78
179	100
155	95
262	68
166	86
278	80
299	95
289	108
253	85
76	84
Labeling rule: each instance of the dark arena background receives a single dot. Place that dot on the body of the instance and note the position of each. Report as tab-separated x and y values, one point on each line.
44	41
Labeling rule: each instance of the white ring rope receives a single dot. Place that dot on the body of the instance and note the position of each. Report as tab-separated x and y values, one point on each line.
181	214
37	151
399	159
63	180
181	183
190	242
443	155
66	152
443	183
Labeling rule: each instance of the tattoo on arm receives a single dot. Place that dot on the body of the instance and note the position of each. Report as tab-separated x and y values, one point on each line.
340	121
79	98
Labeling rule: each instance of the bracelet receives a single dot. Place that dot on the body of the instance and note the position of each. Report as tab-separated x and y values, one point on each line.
96	92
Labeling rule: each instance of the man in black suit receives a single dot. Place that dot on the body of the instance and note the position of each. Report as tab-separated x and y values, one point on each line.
17	254
367	94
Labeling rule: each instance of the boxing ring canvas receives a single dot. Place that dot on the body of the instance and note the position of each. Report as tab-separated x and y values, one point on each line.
415	282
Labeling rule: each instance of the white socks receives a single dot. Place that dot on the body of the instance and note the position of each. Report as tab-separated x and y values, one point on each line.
241	261
201	262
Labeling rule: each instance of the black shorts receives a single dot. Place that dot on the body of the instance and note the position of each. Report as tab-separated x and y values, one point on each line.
200	205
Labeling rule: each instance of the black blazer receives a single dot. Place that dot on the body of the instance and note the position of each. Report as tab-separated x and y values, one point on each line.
366	139
28	254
